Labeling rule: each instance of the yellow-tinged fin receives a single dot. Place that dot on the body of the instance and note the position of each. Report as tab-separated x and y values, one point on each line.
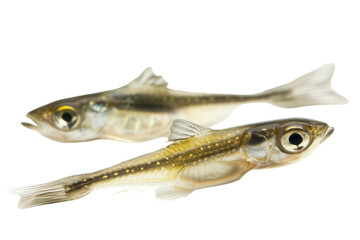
52	192
181	129
148	78
313	88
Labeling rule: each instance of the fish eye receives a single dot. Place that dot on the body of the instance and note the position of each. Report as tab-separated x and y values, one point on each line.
66	118
295	140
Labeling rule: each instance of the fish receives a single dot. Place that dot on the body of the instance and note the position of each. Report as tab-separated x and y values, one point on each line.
145	108
198	157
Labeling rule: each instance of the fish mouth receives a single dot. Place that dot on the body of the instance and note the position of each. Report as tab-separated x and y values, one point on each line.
29	125
327	133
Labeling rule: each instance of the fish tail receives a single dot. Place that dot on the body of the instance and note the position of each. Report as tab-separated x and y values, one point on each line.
313	88
65	189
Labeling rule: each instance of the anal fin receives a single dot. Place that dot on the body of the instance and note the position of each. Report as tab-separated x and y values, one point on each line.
171	192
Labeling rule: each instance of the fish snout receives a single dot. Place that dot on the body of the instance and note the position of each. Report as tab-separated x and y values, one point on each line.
327	133
37	116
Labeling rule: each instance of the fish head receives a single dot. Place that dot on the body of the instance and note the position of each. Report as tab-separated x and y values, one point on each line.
68	120
283	142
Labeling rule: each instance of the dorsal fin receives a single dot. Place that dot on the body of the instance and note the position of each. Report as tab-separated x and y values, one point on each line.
181	129
148	78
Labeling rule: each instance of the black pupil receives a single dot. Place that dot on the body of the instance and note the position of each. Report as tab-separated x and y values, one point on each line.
66	117
295	139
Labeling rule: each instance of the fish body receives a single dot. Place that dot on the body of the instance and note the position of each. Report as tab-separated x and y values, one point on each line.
145	108
199	157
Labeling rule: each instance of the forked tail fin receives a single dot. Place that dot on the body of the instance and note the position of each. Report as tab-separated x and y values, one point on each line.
65	189
313	88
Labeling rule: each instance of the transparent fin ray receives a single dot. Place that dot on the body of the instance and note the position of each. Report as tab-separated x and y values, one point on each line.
48	193
181	129
313	88
170	192
148	78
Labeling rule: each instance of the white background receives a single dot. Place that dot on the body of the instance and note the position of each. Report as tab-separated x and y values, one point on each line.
56	49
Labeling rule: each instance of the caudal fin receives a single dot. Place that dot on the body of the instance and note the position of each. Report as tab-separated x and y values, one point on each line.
52	192
313	88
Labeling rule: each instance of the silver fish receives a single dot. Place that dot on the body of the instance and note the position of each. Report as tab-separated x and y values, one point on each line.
145	108
199	157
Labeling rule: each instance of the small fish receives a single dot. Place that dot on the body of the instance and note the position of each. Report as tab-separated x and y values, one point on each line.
199	157
145	108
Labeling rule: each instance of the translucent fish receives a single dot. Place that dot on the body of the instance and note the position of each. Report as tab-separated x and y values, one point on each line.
145	108
198	157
